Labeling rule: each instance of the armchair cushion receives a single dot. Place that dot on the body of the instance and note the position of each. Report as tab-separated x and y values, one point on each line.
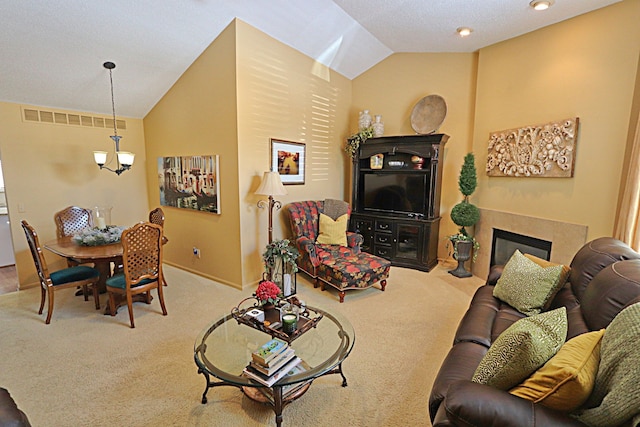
567	379
333	232
522	348
527	286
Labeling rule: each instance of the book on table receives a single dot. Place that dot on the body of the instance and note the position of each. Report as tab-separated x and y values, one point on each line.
269	380
269	351
274	364
289	389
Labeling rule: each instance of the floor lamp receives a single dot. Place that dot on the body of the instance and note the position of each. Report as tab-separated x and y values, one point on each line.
271	186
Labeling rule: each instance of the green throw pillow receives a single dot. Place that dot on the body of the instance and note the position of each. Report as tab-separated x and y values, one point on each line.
616	397
526	286
522	348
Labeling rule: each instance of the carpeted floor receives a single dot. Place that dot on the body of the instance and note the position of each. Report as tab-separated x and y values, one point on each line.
87	369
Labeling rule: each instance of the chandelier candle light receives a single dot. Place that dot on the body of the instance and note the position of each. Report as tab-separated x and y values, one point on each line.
271	186
124	159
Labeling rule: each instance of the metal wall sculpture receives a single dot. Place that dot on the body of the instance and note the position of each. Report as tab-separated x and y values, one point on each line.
546	150
190	182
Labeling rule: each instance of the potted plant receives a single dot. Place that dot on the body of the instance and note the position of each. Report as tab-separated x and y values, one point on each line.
354	141
280	265
465	214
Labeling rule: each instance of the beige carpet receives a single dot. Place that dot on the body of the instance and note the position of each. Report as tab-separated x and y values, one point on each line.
87	369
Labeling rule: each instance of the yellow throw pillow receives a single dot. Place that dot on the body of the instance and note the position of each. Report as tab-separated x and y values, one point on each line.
566	381
333	232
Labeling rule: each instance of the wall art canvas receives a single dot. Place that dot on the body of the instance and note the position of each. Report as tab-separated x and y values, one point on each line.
190	182
546	150
288	158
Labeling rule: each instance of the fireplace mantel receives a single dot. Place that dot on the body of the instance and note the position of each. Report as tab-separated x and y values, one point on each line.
566	238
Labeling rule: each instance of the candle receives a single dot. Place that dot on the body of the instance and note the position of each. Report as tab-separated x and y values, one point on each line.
102	223
289	323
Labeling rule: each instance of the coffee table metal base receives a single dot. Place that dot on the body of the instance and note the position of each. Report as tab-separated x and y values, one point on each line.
278	403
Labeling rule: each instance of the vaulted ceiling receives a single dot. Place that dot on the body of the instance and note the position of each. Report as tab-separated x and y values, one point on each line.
52	51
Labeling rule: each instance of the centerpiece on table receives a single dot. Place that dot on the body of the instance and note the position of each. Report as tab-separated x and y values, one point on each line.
268	294
97	236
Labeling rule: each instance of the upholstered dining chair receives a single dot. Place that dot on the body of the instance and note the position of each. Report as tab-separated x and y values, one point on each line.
71	220
71	277
156	216
142	272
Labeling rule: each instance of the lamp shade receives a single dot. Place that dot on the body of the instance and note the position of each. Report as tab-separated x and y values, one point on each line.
100	157
271	185
125	158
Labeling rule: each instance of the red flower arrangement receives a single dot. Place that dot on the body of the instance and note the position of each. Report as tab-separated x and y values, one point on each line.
267	292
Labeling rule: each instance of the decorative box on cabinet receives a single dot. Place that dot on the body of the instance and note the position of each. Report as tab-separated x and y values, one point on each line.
396	208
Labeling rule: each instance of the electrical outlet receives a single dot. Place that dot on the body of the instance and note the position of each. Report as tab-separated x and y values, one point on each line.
196	252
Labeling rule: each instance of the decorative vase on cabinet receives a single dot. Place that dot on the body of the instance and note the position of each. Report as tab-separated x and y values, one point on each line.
378	126
364	121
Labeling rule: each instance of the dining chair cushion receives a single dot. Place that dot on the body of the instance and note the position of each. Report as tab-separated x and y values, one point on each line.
118	281
73	274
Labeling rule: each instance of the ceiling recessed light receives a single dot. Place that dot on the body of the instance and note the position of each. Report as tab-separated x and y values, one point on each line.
464	31
541	4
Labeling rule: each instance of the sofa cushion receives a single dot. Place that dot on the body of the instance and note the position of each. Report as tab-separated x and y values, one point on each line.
616	397
567	379
527	286
333	232
522	348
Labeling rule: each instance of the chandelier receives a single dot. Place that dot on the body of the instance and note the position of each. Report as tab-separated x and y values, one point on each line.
124	159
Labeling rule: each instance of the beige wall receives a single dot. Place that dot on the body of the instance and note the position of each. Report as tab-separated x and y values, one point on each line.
286	95
584	67
394	86
243	90
197	116
48	167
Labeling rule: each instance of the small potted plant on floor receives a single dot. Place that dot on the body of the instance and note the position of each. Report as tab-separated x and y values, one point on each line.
465	214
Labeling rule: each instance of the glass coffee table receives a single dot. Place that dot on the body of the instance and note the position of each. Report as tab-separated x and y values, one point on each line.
223	349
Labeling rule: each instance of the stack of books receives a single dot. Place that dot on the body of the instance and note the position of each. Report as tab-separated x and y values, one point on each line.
271	362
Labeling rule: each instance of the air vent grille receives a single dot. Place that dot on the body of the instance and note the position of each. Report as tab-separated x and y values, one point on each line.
61	118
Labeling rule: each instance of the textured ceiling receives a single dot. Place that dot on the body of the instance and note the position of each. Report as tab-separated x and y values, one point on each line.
52	51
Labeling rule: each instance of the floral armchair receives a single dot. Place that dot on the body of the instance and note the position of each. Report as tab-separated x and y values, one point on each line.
304	219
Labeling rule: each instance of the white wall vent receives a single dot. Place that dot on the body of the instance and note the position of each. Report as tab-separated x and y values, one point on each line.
61	118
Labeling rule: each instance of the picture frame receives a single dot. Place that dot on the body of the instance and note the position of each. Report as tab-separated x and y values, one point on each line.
288	158
190	182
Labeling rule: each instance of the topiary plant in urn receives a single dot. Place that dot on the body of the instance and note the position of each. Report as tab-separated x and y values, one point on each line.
465	214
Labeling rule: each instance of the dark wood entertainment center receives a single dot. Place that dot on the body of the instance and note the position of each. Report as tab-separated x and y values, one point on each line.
396	199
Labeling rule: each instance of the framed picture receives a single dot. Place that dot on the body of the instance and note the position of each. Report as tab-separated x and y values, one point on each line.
288	158
190	182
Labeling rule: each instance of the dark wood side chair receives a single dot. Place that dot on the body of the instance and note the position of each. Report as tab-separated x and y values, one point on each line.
70	221
71	277
142	267
156	216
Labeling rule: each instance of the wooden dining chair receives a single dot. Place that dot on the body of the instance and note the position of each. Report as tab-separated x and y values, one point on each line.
142	267
71	277
70	221
156	216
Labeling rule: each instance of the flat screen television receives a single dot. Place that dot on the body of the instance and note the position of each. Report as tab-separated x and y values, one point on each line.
395	193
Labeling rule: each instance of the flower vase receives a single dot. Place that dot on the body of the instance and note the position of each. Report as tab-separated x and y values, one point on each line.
463	251
378	126
364	120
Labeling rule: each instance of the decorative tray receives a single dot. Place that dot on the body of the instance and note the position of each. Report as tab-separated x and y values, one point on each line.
271	325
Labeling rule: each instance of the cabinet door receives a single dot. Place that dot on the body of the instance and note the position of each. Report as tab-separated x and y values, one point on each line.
409	238
365	228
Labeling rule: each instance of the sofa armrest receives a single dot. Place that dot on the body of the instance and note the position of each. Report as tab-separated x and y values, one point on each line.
354	241
10	414
471	404
308	246
494	274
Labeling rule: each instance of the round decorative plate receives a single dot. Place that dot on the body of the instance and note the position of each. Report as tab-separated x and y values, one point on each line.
428	114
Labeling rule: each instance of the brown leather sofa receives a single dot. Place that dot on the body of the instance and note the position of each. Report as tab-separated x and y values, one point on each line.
10	415
594	294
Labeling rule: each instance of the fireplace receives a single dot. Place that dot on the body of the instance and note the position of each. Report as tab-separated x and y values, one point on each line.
505	243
